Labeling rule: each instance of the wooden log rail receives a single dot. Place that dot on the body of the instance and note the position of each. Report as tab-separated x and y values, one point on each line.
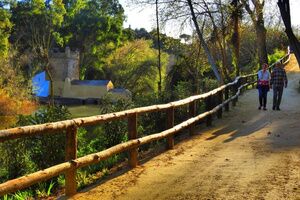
72	162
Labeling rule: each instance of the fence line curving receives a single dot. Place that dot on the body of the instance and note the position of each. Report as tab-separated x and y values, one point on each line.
222	95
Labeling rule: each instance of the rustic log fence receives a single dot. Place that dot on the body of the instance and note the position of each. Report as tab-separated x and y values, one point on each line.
222	96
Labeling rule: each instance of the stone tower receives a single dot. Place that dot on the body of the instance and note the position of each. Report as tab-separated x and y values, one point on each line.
63	65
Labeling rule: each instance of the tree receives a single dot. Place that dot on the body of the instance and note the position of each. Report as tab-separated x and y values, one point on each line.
134	67
142	34
284	7
185	37
235	37
94	27
36	29
158	43
204	44
219	34
5	28
182	12
257	17
189	68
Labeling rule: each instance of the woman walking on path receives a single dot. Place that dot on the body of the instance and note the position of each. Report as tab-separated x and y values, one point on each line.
263	86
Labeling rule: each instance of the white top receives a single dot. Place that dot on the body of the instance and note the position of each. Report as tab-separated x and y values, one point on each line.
264	76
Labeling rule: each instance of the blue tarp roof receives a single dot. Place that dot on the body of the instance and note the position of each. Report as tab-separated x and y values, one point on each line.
40	85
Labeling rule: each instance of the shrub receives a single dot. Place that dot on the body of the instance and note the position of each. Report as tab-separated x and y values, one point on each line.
275	56
25	155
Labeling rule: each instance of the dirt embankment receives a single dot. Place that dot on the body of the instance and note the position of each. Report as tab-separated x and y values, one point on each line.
249	154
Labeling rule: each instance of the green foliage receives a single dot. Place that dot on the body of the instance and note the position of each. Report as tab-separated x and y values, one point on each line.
83	178
44	189
209	84
26	155
44	115
36	24
183	89
57	12
15	159
134	67
5	28
23	195
98	138
13	82
276	42
168	44
150	123
94	28
275	56
276	39
61	180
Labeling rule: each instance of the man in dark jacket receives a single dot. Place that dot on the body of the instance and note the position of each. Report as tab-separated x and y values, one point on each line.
278	81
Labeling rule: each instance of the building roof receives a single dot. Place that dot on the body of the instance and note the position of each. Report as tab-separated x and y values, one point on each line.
90	82
118	90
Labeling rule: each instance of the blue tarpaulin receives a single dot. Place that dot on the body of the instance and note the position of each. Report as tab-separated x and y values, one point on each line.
40	85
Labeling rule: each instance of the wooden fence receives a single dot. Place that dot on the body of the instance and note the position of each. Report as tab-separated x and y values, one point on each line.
215	101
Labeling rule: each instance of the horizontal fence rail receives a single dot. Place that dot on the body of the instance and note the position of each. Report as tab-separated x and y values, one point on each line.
221	94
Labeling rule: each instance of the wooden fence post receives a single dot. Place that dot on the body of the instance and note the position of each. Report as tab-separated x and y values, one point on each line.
208	105
71	153
132	134
192	113
233	92
227	97
220	100
170	124
237	85
245	81
241	82
253	83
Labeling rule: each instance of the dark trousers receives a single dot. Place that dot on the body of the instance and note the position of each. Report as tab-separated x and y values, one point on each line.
262	94
277	94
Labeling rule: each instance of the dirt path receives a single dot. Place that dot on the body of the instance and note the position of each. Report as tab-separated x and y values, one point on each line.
249	154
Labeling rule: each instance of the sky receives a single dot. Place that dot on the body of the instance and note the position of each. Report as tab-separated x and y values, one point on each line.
144	17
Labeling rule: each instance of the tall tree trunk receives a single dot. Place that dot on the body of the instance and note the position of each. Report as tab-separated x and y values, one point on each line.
220	41
235	38
257	17
51	102
204	44
261	42
159	53
223	44
284	7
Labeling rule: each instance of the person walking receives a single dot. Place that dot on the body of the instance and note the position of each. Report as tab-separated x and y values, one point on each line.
263	86
278	81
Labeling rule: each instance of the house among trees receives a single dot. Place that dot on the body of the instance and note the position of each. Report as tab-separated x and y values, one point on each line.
64	69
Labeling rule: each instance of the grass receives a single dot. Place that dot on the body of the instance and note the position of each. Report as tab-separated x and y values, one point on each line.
84	110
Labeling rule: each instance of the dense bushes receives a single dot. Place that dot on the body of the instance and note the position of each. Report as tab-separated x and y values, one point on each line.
97	138
26	155
15	97
272	58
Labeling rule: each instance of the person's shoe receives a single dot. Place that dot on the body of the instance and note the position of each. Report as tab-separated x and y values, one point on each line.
273	107
265	108
259	108
277	108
